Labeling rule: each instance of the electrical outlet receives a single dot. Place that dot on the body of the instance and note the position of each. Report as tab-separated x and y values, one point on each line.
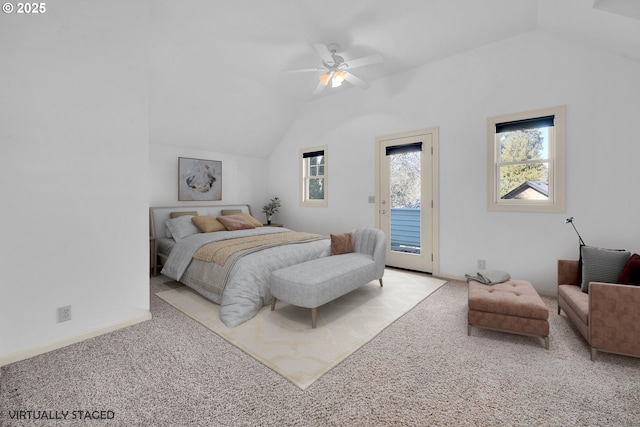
372	199
481	264
64	313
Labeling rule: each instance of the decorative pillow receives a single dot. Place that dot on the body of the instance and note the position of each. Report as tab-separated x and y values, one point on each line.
341	243
251	219
207	223
602	265
181	227
235	222
631	271
176	215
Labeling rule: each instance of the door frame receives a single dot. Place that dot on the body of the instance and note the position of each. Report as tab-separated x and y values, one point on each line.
435	235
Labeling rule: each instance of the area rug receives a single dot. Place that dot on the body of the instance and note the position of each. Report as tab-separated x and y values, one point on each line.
284	341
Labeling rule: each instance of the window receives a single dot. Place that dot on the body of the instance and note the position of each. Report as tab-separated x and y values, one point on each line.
526	161
314	176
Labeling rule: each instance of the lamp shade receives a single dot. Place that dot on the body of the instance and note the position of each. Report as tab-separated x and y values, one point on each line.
338	78
324	78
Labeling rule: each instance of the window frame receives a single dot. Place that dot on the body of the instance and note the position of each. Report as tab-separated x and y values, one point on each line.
305	177
556	160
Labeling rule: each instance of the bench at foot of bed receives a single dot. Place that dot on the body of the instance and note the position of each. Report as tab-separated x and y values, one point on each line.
314	283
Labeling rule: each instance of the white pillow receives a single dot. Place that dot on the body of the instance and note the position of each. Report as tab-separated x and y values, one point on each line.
181	227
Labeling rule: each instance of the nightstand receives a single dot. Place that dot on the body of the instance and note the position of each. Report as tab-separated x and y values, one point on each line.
153	256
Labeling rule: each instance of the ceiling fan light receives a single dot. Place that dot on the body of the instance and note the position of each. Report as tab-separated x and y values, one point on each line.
324	78
338	78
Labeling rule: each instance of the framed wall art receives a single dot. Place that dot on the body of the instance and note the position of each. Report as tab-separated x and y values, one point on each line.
199	179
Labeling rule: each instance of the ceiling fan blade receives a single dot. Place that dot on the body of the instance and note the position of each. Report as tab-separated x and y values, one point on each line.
305	70
318	89
367	60
356	81
323	51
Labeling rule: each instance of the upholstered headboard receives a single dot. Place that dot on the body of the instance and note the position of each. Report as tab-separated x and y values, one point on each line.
158	215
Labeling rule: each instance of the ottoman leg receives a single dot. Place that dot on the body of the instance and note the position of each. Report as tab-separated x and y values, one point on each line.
469	330
273	303
314	314
546	342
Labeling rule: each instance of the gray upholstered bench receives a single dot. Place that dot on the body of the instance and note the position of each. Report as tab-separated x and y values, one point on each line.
319	281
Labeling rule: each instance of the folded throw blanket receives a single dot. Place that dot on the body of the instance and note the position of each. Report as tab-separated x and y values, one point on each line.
490	277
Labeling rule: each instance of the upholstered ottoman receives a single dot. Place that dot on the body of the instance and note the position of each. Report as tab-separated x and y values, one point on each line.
512	306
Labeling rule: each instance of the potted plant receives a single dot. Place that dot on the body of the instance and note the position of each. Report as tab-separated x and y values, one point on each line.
271	208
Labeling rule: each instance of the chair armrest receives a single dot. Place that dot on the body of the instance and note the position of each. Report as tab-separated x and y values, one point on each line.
614	318
568	272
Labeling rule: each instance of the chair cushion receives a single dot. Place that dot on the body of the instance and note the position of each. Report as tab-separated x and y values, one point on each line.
577	300
602	265
631	272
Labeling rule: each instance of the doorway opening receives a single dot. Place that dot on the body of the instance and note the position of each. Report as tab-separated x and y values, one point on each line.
406	190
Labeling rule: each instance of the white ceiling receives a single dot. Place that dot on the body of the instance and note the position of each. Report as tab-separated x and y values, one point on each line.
218	68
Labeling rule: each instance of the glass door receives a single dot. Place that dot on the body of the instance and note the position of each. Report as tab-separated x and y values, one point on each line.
405	200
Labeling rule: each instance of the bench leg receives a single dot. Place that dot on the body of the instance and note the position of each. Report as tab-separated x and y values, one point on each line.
314	315
380	281
273	303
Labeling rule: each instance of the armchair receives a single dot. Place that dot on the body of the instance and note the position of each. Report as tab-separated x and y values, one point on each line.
608	317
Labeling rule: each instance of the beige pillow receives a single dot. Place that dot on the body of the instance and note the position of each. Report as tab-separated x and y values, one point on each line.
235	222
230	211
207	224
342	243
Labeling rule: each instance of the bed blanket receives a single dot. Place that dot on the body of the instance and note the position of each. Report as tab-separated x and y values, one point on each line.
182	254
227	252
247	286
220	252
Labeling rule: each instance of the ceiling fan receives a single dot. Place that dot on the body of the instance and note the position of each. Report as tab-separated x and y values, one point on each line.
336	70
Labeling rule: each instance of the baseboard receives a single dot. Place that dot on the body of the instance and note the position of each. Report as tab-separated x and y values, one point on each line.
54	345
448	276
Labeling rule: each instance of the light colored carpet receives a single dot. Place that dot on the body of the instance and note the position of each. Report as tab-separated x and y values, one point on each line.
422	370
284	341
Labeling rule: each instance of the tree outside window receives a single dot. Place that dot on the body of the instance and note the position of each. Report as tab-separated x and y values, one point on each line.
313	176
522	160
526	161
316	178
405	180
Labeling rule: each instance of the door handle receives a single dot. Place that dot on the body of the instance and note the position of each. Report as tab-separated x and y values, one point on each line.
383	212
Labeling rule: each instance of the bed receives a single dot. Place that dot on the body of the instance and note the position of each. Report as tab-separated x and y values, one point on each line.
229	267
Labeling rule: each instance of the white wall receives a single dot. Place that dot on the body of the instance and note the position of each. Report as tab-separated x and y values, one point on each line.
73	172
457	94
244	179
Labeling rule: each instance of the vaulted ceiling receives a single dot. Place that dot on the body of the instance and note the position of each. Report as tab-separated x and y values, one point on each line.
219	77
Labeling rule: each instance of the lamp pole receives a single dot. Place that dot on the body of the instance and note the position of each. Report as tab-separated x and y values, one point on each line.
570	221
